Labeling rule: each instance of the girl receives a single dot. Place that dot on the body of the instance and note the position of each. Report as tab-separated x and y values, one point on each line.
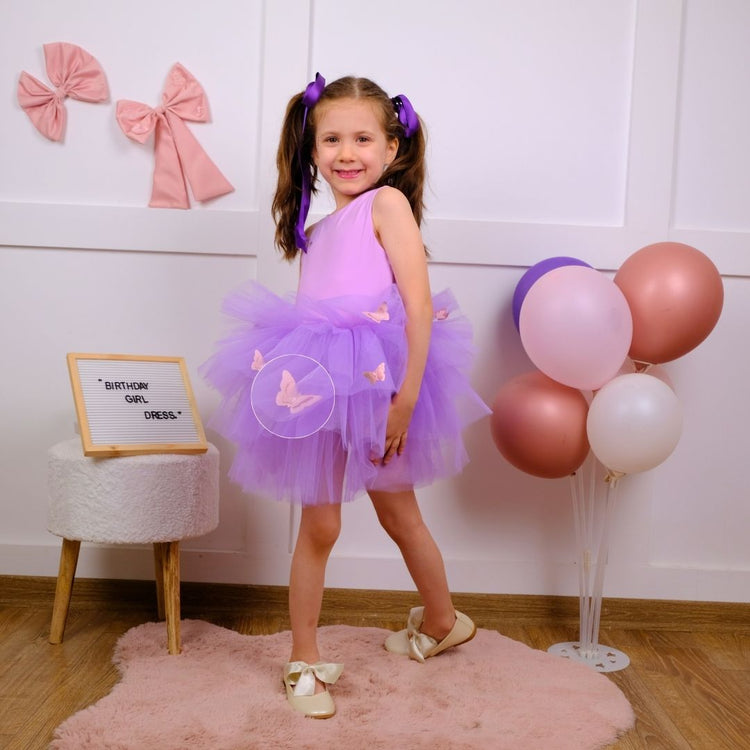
360	383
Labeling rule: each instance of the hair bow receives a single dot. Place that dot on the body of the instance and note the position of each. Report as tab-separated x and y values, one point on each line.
406	115
178	155
74	73
309	99
313	90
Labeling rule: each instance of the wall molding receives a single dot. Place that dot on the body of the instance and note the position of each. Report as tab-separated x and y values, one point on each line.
87	227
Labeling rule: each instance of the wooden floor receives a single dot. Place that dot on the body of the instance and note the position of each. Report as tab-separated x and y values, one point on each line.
689	678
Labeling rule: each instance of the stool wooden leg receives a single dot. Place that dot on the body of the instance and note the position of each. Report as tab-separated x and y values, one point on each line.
159	575
171	576
64	588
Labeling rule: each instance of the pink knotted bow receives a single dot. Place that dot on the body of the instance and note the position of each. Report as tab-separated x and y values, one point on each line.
75	73
178	155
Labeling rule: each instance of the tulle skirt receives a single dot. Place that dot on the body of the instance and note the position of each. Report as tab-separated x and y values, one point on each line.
306	388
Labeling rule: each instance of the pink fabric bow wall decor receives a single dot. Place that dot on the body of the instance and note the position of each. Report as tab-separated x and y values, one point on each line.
74	73
178	155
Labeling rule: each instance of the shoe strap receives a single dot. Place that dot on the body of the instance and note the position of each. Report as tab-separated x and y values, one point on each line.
301	675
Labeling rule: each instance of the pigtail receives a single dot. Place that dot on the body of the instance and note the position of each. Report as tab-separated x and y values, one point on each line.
407	171
294	145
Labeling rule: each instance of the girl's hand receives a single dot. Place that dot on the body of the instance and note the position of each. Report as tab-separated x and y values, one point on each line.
396	429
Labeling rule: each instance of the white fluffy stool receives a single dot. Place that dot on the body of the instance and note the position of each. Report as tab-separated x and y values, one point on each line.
156	499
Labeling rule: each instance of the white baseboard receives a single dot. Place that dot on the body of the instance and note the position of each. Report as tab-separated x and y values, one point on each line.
387	573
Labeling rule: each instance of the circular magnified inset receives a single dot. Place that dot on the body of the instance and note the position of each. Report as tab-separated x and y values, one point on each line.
292	396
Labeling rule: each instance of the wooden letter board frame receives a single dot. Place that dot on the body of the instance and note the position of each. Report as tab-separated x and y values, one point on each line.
130	405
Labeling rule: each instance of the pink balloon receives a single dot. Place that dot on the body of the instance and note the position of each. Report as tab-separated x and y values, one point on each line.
675	294
539	425
576	326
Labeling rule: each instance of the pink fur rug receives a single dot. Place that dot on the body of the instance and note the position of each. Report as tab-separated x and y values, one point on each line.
224	692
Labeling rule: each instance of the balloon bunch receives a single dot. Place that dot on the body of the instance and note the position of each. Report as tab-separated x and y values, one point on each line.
581	329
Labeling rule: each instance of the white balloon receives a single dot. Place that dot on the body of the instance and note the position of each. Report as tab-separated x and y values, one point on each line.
634	423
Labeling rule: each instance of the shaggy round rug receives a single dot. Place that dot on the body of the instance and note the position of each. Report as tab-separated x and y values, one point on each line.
224	692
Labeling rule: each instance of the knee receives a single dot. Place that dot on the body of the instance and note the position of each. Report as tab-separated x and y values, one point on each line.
401	527
321	529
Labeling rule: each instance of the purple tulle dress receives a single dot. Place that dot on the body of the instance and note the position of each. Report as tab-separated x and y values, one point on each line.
307	380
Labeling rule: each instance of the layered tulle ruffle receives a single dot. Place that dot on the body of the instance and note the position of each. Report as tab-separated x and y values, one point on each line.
306	387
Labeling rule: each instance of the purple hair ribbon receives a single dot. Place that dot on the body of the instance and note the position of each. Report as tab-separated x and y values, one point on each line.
309	99
406	115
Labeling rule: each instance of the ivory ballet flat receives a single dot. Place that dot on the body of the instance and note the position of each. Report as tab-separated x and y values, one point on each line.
299	680
419	646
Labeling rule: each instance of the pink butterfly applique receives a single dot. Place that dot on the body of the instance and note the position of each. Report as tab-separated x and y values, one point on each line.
441	314
258	361
378	374
291	397
379	315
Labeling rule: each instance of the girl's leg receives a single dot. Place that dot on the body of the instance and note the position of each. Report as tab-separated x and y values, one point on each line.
318	531
399	514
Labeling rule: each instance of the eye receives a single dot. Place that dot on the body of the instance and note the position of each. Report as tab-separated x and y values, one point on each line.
330	139
363	139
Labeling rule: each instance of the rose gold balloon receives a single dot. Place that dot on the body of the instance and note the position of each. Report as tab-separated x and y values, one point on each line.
675	296
539	425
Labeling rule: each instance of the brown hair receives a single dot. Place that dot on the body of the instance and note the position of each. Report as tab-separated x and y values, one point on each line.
406	172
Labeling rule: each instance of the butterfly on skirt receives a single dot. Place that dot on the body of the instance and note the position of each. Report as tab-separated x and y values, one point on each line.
290	396
377	375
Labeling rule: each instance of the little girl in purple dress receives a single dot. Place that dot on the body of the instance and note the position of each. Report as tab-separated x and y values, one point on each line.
360	382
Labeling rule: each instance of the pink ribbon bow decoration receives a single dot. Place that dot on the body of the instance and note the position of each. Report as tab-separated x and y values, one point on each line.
75	73
178	155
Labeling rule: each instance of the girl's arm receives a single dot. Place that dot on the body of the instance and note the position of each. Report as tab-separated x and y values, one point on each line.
399	235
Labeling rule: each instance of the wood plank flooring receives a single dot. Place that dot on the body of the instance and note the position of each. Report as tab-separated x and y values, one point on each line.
688	682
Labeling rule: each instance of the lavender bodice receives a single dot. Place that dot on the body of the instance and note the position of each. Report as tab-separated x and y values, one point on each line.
344	256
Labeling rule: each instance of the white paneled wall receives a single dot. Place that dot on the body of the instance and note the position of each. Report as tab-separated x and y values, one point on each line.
579	128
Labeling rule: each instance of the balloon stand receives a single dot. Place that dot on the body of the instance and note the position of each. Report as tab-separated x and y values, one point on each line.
593	519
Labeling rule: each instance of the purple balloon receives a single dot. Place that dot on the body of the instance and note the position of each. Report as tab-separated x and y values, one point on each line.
533	275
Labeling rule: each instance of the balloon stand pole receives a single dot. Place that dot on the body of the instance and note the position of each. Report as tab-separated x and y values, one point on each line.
593	519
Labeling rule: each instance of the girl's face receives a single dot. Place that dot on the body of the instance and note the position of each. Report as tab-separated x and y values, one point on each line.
351	150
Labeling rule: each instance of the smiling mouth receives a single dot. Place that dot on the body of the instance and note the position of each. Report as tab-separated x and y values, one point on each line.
348	174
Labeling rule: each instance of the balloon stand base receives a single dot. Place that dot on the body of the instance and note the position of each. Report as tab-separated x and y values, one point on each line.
600	658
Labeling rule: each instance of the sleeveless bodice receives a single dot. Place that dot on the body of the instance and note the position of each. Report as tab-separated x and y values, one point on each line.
344	256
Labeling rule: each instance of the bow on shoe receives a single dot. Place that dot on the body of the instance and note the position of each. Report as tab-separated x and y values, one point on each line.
420	644
301	675
178	155
74	73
